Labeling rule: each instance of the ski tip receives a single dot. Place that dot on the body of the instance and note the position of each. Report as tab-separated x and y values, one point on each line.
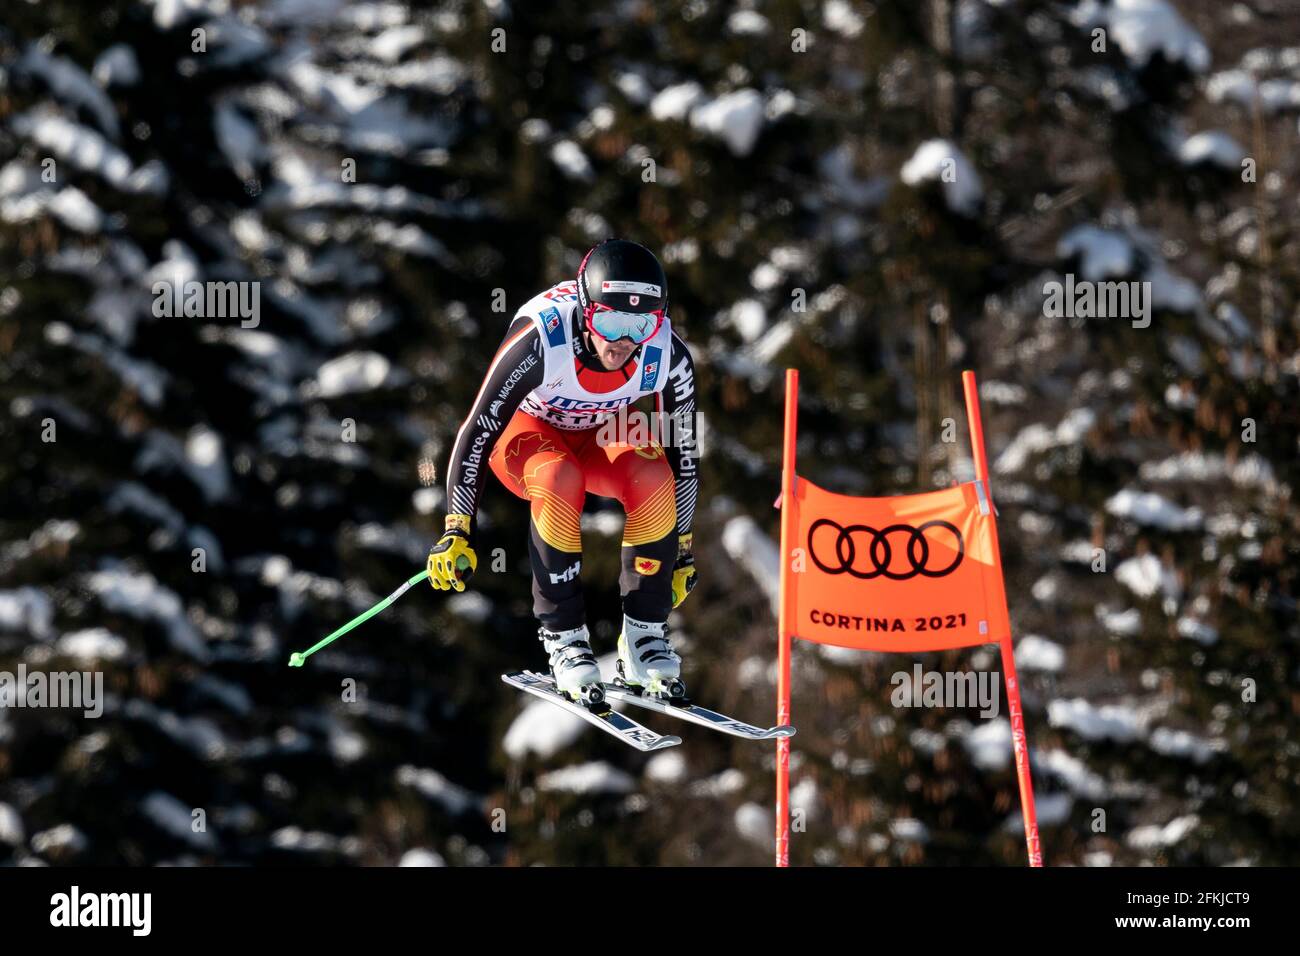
785	730
665	742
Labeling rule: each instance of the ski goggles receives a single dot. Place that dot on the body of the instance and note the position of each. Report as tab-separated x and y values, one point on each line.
612	325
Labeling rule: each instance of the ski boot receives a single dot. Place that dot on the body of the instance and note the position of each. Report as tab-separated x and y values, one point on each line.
573	665
648	663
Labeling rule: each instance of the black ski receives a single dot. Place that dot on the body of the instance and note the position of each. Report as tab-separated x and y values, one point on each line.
602	715
696	714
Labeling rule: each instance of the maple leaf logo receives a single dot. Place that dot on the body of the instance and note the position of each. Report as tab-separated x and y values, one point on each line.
522	449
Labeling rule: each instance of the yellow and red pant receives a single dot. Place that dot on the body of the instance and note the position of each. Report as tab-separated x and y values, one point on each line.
554	470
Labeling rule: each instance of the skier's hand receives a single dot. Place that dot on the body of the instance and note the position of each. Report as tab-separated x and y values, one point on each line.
452	561
683	571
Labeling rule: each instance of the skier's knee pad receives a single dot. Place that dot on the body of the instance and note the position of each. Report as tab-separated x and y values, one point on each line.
561	476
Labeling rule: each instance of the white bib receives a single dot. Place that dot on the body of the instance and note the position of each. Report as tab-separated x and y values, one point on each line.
560	400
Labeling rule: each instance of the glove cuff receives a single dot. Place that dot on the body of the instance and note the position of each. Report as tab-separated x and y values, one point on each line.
455	522
684	542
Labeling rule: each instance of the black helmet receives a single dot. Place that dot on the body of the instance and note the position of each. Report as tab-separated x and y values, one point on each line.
622	277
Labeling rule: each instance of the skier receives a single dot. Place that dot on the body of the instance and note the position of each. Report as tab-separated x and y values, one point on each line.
574	356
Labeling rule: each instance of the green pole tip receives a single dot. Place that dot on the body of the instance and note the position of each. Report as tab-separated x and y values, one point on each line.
296	659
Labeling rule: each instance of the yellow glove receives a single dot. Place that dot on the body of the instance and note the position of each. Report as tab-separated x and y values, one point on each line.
452	561
684	579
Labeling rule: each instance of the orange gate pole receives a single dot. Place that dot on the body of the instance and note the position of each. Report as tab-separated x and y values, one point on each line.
1018	742
784	623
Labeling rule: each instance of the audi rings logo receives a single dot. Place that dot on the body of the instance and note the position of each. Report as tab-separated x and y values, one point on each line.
858	545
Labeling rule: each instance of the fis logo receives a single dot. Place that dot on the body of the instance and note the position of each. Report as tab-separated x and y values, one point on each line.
554	326
495	409
646	566
568	574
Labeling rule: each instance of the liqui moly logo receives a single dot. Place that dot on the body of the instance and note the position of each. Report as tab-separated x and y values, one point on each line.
577	405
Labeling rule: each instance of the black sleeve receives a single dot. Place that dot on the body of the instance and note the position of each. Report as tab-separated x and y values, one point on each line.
678	400
516	369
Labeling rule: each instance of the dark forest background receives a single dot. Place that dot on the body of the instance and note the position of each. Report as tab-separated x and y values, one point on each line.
795	148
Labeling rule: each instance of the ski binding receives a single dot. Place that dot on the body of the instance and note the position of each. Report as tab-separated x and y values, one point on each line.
595	711
681	707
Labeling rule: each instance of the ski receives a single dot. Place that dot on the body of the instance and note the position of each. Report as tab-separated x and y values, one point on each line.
602	715
696	714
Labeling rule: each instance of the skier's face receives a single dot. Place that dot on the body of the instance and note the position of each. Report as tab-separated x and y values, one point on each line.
612	355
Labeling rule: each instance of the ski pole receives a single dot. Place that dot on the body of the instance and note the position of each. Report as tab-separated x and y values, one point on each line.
298	658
